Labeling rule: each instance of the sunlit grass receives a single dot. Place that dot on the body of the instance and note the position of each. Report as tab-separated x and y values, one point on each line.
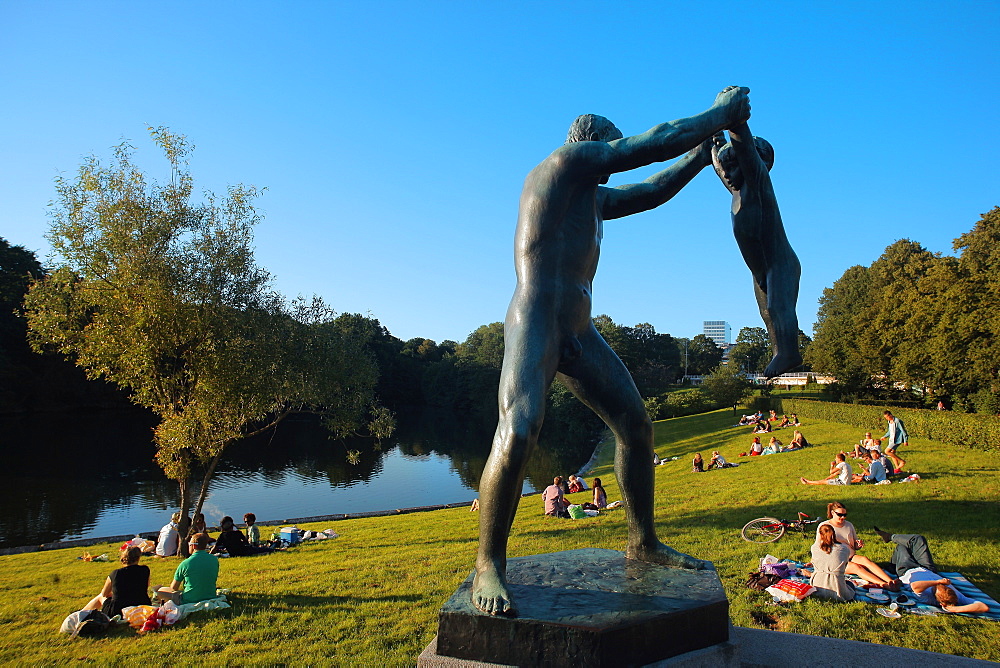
371	597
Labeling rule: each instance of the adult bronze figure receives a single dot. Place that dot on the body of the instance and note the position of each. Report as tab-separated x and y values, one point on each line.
549	330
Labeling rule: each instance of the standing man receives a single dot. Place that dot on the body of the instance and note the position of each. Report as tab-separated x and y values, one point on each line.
549	330
897	436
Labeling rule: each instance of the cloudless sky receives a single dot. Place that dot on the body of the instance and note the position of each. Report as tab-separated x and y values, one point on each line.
394	137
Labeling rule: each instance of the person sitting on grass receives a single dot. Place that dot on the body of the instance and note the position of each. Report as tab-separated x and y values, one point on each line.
830	558
600	496
784	421
840	473
196	577
756	448
859	565
915	566
795	420
577	484
864	445
167	543
773	446
879	457
718	461
798	441
253	531
554	499
697	465
125	587
875	471
762	427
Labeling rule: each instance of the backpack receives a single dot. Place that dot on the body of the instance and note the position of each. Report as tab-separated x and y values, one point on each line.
85	623
760	581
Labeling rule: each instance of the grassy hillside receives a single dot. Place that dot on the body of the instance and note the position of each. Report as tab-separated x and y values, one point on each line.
371	596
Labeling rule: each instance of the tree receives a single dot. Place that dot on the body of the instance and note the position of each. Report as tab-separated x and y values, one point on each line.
652	359
703	355
18	268
752	351
727	385
160	294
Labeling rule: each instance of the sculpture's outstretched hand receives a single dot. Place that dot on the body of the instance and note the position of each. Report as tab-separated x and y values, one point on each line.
736	101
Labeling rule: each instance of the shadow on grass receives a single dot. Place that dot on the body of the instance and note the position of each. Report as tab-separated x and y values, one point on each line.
250	604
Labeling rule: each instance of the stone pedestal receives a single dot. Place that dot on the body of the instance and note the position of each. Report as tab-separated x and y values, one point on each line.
590	607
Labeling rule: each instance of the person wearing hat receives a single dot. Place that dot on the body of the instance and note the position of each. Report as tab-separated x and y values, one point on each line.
169	540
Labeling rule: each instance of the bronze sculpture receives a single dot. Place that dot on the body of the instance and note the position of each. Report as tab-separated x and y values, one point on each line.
549	331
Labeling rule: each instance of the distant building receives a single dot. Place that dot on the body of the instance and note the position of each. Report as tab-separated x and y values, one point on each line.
719	331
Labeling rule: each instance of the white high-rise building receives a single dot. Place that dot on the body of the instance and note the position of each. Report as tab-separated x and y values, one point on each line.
719	331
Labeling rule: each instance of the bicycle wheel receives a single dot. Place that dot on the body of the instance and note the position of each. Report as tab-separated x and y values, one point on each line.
763	530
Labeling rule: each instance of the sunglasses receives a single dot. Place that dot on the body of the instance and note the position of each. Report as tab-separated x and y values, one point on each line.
841	514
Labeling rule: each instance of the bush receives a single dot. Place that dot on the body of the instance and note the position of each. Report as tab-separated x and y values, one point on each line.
680	403
970	430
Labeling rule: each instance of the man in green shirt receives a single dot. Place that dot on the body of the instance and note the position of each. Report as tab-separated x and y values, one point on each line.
195	579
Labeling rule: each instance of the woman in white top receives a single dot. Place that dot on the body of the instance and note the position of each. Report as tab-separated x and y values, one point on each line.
858	565
840	473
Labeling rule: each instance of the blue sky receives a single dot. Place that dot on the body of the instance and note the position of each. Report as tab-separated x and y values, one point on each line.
393	138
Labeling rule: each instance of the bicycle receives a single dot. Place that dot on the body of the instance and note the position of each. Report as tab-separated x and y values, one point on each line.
770	529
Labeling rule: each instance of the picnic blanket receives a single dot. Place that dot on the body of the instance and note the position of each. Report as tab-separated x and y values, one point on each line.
959	582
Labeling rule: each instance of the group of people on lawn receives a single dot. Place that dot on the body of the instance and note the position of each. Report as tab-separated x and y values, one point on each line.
554	496
194	579
876	466
835	555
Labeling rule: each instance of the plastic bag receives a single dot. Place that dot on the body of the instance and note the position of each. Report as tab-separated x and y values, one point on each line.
576	512
787	590
780	569
136	615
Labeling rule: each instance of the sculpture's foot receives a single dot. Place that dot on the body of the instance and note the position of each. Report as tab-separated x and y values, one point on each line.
490	593
665	556
781	363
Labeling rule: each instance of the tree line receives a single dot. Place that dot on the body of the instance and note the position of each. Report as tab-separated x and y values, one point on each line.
916	326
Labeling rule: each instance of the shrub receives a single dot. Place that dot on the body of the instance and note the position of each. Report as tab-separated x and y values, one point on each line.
970	430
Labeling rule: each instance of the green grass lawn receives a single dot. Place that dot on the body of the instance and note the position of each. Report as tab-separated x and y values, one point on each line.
371	597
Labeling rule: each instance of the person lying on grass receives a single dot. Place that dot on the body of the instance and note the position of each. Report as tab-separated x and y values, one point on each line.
859	565
915	566
840	473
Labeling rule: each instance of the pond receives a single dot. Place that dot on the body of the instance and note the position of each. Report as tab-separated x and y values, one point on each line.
92	474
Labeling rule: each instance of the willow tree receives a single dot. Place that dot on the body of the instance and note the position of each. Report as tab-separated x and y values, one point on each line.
157	290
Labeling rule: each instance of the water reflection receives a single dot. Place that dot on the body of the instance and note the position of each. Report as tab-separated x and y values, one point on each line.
92	474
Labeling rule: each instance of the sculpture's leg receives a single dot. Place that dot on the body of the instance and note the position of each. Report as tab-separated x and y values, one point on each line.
527	372
778	311
601	381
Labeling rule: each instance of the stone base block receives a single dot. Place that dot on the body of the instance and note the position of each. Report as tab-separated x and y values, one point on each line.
589	608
